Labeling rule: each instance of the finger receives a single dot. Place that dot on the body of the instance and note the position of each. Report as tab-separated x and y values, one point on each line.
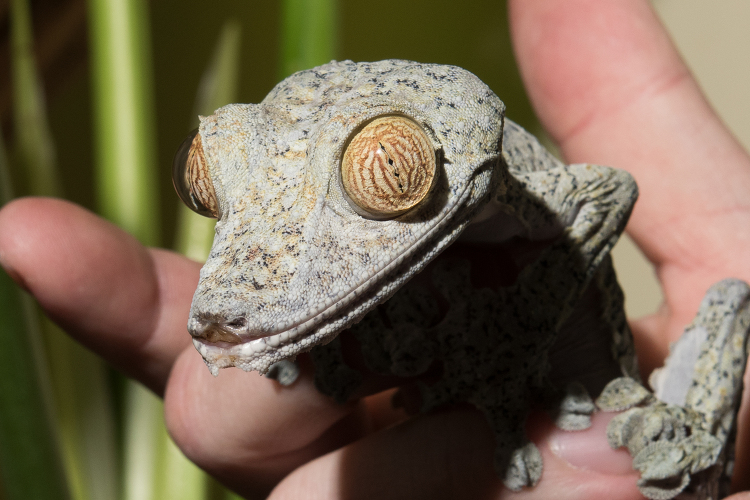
449	455
247	430
128	304
610	87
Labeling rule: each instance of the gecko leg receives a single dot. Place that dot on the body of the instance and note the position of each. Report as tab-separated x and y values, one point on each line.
681	439
517	460
582	209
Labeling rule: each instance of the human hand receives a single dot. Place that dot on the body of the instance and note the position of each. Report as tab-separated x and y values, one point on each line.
610	88
253	436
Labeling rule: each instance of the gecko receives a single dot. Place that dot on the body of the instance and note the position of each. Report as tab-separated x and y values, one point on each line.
392	206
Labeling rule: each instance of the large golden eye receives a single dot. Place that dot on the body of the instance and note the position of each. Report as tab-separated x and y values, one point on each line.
388	167
191	179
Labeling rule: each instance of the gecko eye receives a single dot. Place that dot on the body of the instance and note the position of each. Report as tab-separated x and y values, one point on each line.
388	166
191	179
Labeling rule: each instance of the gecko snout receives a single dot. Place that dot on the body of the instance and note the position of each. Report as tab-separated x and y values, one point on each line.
216	329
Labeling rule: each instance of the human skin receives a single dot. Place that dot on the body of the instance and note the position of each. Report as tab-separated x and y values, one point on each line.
610	89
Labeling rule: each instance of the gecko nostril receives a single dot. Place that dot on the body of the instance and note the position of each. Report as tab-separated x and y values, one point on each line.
239	322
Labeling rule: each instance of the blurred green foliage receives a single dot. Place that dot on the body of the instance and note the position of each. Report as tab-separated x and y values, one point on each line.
28	445
473	35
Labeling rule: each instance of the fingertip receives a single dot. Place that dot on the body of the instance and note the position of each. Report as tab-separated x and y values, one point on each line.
588	449
16	217
581	464
107	290
446	454
55	248
175	280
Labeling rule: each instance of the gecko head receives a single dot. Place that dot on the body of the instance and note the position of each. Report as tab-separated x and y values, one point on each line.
330	194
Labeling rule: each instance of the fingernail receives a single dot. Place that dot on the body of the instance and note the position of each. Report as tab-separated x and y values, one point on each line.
589	449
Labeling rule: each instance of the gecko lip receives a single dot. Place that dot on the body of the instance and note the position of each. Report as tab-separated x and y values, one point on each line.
216	330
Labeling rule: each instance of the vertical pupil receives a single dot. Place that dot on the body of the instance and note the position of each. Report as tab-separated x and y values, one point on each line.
388	166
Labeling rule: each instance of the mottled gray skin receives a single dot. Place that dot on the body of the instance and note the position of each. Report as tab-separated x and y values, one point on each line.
682	438
293	263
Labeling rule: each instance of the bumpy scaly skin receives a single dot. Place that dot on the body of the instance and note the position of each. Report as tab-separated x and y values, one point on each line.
294	263
291	256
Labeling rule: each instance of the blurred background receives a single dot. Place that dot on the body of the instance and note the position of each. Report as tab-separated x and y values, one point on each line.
193	56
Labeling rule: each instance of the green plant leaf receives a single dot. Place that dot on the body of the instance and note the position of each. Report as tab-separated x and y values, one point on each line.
143	421
309	34
83	419
34	145
30	463
29	458
126	186
85	416
124	116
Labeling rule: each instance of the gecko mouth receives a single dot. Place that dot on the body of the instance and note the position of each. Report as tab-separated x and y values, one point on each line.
217	331
217	334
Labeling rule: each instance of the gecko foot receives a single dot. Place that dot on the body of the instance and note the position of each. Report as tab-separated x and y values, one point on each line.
285	372
682	436
574	411
524	468
667	442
